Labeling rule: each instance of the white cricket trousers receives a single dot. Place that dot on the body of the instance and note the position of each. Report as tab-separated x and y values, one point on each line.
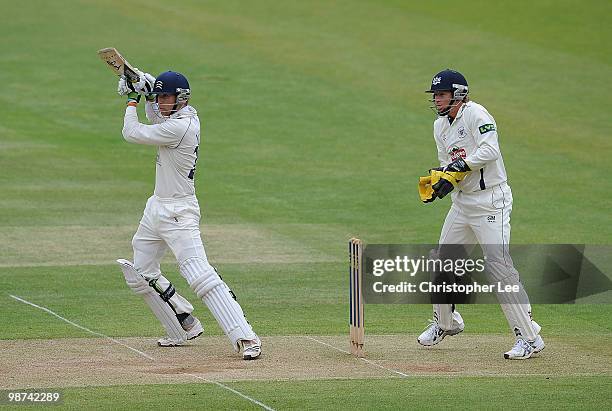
483	217
168	223
175	224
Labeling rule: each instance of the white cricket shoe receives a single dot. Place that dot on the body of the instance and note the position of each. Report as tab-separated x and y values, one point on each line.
194	330
524	349
433	334
538	345
192	326
251	349
169	342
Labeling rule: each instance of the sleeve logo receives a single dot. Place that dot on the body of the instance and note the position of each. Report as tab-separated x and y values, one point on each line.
485	128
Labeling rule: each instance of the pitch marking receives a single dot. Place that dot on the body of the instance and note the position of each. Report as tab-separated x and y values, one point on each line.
254	401
362	359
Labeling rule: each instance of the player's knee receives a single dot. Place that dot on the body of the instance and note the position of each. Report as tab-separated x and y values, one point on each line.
148	273
136	242
503	273
133	279
198	270
205	284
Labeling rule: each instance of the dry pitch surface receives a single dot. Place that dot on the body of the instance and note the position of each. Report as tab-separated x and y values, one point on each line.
74	362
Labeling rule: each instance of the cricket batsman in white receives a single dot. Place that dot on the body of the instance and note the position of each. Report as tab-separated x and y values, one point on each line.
172	216
472	168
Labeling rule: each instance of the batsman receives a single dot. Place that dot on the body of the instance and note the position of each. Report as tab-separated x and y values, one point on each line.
472	171
172	215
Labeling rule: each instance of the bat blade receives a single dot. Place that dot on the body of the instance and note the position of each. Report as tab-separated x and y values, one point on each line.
118	64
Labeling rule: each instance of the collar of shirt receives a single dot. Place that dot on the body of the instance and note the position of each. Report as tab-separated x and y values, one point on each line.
459	113
186	111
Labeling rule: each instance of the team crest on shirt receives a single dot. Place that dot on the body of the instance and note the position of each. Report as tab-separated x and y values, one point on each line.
456	153
461	132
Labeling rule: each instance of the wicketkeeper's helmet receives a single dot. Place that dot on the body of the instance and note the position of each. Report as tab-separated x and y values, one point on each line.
171	82
449	80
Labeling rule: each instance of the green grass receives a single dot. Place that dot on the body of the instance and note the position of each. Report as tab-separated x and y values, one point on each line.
311	114
430	393
297	299
315	128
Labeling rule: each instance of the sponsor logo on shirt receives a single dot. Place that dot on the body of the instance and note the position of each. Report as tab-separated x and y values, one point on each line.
485	128
456	153
461	132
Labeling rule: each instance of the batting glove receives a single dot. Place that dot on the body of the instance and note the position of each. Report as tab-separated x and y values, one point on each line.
144	85
149	83
133	98
122	87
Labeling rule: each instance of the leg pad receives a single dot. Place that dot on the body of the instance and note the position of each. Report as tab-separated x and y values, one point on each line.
160	308
220	300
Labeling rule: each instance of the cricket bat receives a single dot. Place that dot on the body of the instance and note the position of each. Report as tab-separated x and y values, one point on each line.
119	65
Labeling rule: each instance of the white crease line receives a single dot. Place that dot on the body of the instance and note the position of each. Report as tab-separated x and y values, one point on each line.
139	352
81	327
262	405
358	358
105	261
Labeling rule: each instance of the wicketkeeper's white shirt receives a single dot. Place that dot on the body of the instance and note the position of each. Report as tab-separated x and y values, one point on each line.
177	138
472	136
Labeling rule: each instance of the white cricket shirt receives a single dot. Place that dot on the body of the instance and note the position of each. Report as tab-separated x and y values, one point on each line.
473	137
177	138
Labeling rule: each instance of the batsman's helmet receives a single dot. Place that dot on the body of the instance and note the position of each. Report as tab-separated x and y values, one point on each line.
171	82
449	80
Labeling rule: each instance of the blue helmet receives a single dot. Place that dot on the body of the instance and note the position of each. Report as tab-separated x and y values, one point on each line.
171	82
449	80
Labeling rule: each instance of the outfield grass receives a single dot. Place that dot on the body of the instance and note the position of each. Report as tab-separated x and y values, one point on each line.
442	393
308	299
315	129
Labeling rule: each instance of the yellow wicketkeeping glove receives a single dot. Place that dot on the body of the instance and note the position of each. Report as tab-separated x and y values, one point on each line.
425	191
452	177
444	181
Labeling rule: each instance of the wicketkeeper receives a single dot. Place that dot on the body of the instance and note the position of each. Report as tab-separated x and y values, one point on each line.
172	216
472	171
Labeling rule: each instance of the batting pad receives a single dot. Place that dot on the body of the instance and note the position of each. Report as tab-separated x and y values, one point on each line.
220	301
160	308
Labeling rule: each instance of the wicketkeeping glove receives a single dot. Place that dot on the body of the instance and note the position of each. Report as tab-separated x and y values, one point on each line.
445	181
425	191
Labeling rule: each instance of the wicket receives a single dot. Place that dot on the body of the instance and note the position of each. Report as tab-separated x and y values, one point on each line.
356	329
